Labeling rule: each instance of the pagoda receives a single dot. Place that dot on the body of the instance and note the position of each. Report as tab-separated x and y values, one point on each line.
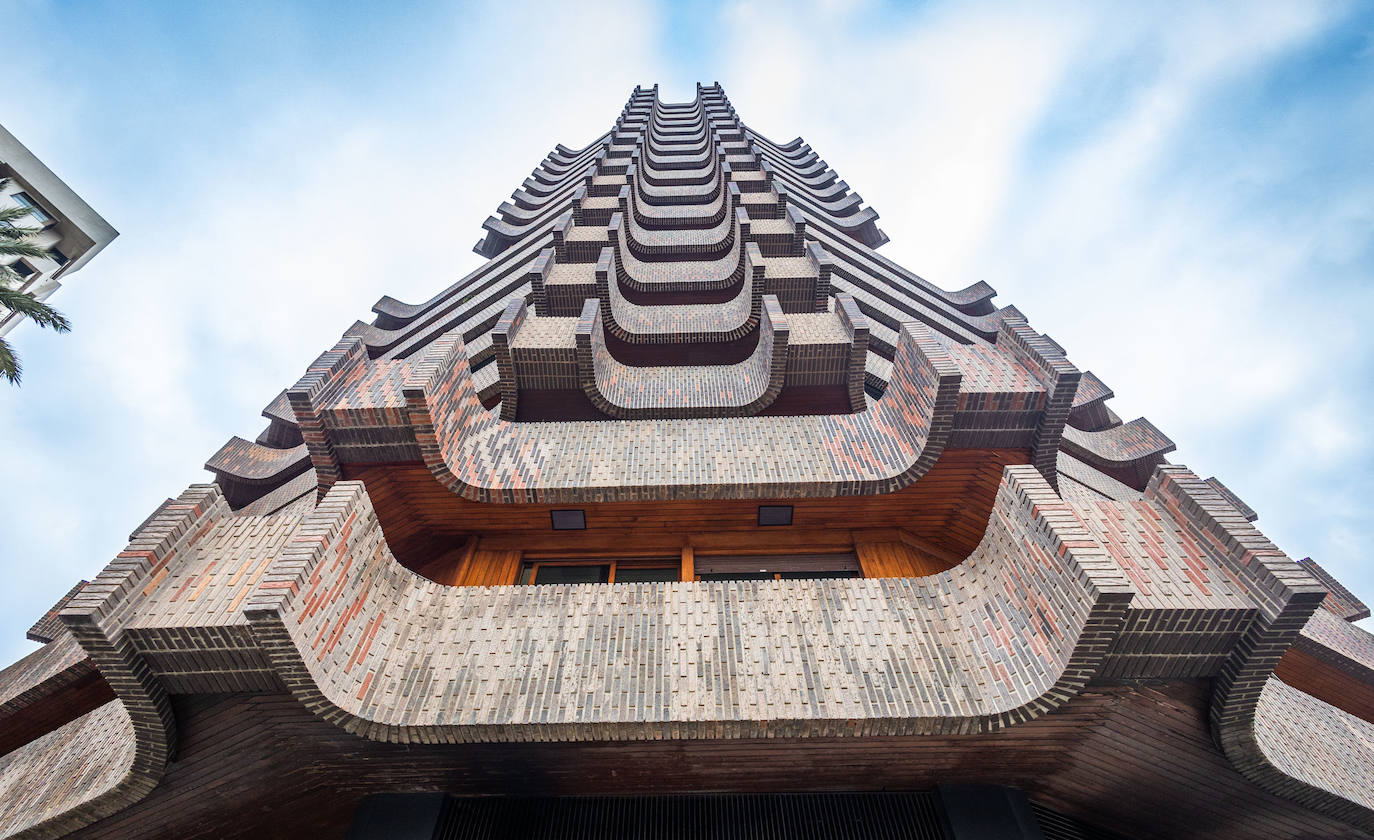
687	514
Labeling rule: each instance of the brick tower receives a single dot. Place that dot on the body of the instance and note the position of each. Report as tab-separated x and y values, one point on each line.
689	515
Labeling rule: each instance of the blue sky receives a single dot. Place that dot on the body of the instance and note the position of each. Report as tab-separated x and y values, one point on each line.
1182	197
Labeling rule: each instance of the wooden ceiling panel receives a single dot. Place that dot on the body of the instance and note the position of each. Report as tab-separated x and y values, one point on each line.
948	508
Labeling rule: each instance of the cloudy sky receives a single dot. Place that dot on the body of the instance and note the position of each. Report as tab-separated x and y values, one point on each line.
1183	198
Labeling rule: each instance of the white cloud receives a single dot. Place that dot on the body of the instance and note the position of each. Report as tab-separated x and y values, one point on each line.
284	227
1162	265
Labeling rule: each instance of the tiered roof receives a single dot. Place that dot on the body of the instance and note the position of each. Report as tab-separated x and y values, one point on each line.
678	317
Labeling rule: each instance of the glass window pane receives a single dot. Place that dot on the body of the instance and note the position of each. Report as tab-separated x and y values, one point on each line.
624	575
34	209
817	575
738	576
573	574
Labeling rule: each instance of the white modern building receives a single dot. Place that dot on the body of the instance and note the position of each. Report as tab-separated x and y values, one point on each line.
72	232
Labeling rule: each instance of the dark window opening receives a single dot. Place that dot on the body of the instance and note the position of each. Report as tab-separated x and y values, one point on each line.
23	269
57	256
778	567
600	570
633	575
554	573
736	576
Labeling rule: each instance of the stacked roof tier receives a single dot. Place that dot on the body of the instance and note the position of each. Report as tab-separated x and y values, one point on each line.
687	463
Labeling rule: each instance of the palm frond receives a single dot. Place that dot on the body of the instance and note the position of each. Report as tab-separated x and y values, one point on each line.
22	249
10	368
13	214
34	309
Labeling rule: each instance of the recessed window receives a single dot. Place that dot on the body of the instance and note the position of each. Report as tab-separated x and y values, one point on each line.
623	570
629	574
57	256
23	269
23	199
777	567
568	520
559	573
737	576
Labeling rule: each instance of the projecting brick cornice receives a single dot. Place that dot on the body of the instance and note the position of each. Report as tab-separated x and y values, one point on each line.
113	756
1282	739
714	300
391	656
319	605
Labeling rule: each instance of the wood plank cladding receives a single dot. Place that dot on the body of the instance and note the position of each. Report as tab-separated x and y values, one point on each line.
945	512
897	559
491	568
1327	683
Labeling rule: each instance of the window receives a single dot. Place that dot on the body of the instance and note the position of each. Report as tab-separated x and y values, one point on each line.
57	256
626	570
38	213
566	573
658	569
23	269
778	567
630	574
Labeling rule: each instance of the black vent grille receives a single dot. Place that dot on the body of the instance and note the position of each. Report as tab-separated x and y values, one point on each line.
881	816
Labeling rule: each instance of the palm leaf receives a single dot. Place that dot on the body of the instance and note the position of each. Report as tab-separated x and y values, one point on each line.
9	363
34	309
14	214
22	249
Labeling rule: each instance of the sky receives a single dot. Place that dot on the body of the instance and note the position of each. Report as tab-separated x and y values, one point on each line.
1180	194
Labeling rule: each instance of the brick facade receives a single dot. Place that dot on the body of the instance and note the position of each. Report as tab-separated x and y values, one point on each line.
685	312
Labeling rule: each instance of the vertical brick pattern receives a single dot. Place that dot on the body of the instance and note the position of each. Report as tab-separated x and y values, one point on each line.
96	617
1286	596
1316	754
343	359
627	392
857	326
1340	600
537	275
506	328
1060	379
70	777
879	450
384	653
